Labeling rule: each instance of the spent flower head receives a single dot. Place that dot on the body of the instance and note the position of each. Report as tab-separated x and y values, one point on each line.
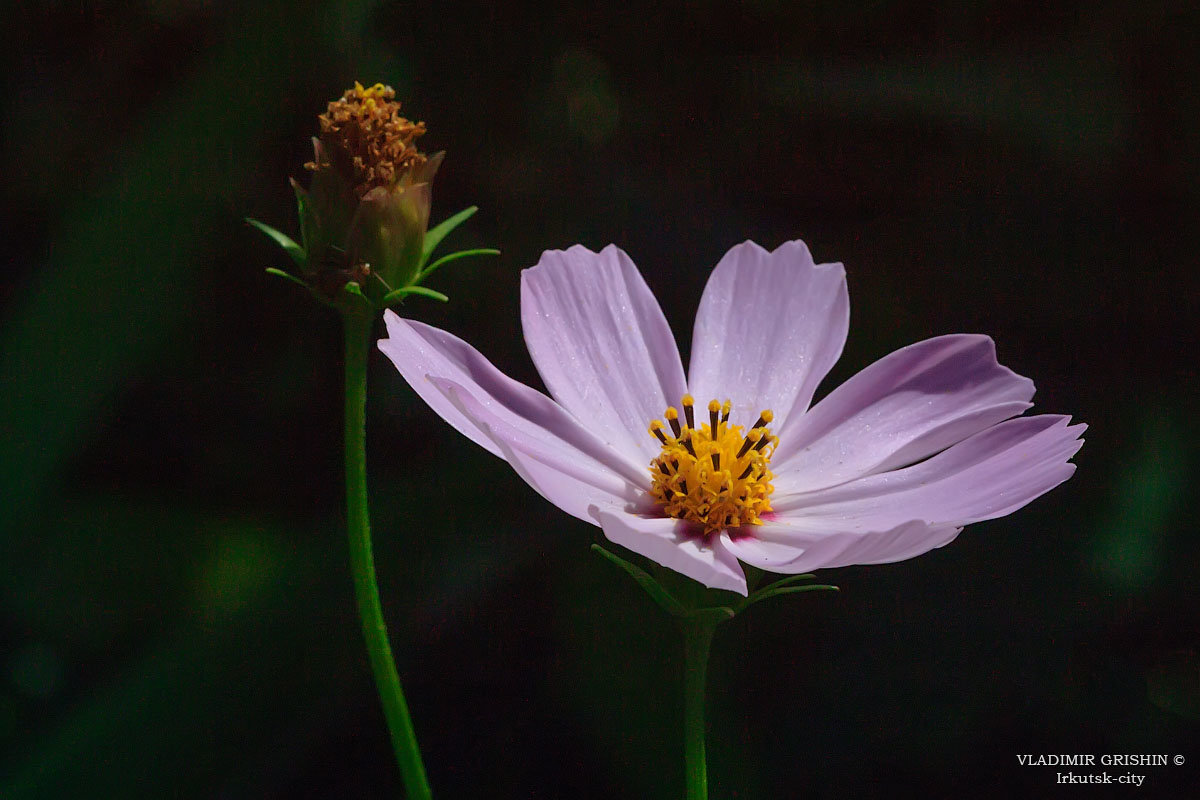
364	219
364	135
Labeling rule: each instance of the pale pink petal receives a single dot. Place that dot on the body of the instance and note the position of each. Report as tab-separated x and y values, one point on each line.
419	350
792	546
601	344
556	470
769	327
991	474
668	542
899	544
904	407
773	556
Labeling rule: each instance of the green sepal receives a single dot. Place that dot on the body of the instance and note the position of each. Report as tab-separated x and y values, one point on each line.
482	251
657	593
711	615
287	275
283	240
308	222
434	236
350	300
399	294
776	590
789	580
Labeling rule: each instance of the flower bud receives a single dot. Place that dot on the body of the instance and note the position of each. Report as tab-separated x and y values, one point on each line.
364	220
367	209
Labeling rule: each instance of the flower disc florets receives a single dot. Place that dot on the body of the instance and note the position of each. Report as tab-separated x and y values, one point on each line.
366	125
712	475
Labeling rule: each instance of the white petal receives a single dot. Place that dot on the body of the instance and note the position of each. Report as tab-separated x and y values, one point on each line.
601	344
904	407
757	552
991	474
556	470
792	546
769	328
667	542
420	350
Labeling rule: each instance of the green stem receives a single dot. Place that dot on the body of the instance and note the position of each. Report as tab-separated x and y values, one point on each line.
697	638
362	561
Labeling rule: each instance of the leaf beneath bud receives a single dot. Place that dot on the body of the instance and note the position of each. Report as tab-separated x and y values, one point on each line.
435	234
283	240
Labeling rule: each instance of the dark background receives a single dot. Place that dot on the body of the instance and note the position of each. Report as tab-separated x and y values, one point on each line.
176	615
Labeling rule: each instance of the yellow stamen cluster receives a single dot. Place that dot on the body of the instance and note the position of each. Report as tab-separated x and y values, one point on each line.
366	125
712	474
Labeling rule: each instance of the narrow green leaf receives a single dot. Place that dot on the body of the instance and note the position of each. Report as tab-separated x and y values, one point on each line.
399	294
304	212
352	287
434	236
774	590
283	240
483	251
281	274
652	587
789	580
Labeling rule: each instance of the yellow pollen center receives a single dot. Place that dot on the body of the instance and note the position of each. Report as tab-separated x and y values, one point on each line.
712	474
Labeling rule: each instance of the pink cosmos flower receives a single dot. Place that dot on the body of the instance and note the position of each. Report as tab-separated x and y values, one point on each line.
891	464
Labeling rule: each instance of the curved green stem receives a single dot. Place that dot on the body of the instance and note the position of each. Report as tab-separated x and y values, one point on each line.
697	639
362	561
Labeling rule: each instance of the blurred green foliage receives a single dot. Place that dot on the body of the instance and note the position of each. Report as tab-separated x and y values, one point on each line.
175	610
